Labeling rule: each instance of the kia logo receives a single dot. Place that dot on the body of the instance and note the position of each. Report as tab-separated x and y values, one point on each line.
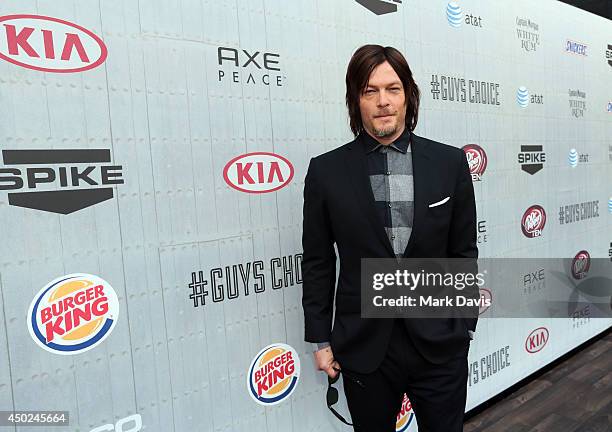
536	340
258	172
49	44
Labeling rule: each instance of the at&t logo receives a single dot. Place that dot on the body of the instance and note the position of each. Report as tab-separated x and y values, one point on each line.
522	97
572	158
456	17
454	14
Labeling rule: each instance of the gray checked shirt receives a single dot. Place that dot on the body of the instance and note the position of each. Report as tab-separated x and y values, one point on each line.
390	171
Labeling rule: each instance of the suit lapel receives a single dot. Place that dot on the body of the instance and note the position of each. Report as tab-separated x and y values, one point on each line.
356	166
421	170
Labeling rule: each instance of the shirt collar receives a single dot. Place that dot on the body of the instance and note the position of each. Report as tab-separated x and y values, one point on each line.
400	144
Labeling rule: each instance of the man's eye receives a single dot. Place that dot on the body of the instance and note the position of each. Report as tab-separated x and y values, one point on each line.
369	91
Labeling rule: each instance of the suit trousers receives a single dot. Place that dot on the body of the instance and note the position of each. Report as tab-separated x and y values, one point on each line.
437	392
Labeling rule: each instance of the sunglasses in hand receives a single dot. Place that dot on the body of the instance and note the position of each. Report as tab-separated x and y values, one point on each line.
332	393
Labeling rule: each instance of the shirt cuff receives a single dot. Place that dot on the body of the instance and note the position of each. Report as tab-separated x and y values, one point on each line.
320	345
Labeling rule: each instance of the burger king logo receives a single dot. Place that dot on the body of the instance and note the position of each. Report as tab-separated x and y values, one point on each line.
477	160
581	264
274	374
533	221
73	314
405	416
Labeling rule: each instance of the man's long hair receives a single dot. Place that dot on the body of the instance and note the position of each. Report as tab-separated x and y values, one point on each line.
363	62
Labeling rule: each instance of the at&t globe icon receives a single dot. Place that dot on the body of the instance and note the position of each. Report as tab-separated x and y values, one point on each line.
522	97
454	14
572	158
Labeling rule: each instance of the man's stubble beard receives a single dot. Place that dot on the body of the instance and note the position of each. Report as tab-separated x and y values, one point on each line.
385	132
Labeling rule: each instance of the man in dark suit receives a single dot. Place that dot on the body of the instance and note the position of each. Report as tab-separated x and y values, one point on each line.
388	193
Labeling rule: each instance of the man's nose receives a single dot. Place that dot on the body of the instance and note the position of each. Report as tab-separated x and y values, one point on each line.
383	99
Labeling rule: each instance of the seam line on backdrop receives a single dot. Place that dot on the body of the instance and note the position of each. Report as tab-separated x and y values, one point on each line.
123	270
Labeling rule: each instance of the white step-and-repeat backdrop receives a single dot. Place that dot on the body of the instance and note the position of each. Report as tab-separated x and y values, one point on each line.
153	157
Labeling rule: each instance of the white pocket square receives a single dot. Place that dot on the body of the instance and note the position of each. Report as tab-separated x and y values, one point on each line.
436	204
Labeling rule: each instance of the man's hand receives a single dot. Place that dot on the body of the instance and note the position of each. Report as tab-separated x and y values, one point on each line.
324	359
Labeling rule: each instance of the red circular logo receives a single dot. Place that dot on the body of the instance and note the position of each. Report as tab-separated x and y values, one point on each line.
477	160
581	264
533	221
